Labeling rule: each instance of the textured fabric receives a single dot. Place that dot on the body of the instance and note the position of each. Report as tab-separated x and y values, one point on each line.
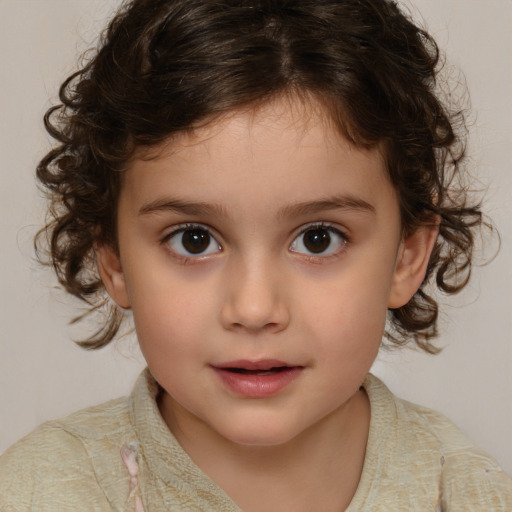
121	456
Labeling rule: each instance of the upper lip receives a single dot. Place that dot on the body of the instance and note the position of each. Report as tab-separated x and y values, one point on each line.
261	364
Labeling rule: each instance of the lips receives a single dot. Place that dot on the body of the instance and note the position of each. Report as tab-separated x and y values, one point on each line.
257	379
270	371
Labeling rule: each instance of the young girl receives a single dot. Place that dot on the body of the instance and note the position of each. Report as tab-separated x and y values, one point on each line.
262	184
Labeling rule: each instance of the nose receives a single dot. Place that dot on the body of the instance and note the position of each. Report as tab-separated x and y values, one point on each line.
254	298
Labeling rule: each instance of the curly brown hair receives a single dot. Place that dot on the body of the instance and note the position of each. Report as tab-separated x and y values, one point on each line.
165	66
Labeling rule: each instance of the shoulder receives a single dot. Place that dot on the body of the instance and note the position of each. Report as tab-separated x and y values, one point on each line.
470	479
430	452
56	466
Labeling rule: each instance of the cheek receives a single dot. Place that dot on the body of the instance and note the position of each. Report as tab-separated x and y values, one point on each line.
347	317
349	326
171	322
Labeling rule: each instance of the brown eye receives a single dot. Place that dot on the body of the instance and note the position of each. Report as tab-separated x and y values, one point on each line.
316	240
319	240
194	241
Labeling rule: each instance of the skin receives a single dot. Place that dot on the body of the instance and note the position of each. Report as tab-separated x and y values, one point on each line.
256	180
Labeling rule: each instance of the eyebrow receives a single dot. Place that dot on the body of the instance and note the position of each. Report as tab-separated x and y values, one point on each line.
186	207
331	203
293	210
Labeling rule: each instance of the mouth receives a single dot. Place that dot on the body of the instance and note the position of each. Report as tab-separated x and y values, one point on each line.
257	379
270	371
260	366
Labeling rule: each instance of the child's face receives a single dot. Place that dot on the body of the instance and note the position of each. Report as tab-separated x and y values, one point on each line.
262	240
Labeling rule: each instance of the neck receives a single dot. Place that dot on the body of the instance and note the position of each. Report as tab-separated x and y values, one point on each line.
317	470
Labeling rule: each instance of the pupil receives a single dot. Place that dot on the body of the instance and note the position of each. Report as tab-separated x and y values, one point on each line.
196	241
317	240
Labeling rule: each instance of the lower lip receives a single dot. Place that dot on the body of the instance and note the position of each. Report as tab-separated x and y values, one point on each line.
258	386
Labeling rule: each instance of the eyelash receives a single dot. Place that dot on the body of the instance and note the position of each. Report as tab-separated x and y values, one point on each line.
322	257
182	228
312	257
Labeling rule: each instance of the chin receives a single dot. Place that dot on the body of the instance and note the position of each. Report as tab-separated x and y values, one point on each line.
263	435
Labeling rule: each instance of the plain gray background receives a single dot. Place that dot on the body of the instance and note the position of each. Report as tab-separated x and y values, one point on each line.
43	375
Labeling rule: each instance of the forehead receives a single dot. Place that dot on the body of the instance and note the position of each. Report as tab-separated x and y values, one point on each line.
251	156
301	114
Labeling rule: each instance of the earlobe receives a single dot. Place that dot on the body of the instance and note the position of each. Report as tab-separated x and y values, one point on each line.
111	272
412	262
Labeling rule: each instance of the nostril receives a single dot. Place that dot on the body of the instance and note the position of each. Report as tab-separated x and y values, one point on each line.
270	327
253	306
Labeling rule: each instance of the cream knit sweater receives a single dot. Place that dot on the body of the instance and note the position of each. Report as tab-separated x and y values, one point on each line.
121	456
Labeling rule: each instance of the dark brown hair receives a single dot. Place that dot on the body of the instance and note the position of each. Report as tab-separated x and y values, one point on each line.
164	66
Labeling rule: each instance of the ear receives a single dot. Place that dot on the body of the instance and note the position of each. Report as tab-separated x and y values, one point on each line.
111	272
411	266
